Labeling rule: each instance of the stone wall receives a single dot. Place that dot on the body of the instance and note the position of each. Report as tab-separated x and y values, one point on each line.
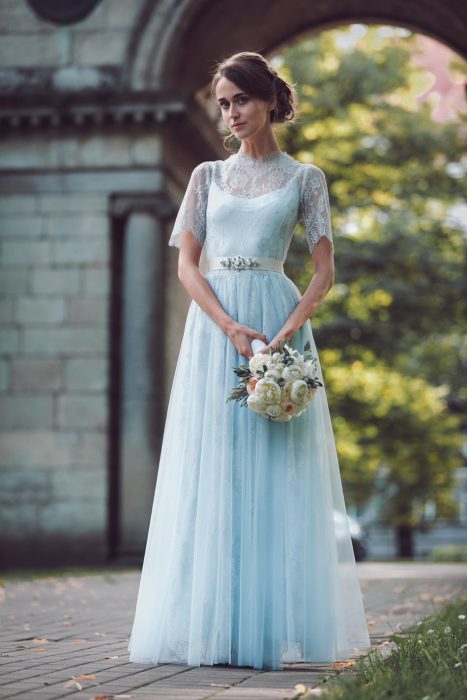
54	255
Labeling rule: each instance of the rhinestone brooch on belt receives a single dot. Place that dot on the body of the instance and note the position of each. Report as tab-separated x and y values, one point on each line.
238	262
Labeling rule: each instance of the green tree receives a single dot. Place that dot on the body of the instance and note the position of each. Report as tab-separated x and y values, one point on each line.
391	330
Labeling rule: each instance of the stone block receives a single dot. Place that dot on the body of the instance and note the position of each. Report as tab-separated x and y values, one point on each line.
4	375
33	310
17	205
82	411
89	206
75	517
78	224
6	311
31	50
36	375
88	311
81	250
121	14
12	513
31	449
14	281
20	225
89	48
9	340
79	485
96	281
86	374
26	411
92	450
17	153
16	15
146	150
18	253
22	487
66	340
50	281
114	150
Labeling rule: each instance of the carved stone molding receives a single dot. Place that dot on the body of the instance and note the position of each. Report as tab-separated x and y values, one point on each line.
88	108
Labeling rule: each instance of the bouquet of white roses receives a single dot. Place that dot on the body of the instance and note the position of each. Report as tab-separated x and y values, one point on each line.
279	384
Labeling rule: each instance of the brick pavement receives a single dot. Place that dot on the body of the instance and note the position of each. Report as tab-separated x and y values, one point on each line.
55	630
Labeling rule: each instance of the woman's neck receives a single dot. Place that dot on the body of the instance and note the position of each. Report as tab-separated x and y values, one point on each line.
259	146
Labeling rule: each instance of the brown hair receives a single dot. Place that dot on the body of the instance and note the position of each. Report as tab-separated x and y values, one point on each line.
255	75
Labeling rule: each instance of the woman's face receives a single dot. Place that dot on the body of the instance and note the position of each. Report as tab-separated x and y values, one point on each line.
247	116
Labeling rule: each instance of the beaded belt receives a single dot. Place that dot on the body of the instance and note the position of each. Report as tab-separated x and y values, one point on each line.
238	262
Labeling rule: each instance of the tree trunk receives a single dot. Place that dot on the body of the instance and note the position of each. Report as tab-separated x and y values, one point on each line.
404	539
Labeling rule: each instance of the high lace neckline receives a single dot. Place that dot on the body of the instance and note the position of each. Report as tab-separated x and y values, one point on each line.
272	155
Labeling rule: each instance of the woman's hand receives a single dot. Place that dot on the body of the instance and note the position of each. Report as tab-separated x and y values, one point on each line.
241	336
278	341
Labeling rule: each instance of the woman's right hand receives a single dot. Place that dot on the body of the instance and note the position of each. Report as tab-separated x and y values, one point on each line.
241	336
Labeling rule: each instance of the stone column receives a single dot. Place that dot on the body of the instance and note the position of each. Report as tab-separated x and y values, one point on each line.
140	369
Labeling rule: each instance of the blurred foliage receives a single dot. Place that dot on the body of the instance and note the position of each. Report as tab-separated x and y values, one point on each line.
453	552
391	332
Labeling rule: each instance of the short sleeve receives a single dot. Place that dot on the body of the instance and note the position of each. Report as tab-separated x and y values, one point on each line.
192	212
315	210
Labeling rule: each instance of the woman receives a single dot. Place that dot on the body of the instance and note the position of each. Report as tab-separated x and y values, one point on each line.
249	559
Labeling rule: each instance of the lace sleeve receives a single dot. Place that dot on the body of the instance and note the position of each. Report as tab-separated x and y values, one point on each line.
315	210
192	212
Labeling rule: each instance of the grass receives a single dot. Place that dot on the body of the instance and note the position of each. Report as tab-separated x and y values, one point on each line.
98	570
429	662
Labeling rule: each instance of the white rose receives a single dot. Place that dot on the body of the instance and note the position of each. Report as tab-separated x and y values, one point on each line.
273	374
298	393
310	370
274	410
273	364
255	403
257	362
268	391
292	373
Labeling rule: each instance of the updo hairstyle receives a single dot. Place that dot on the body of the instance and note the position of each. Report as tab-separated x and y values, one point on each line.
255	76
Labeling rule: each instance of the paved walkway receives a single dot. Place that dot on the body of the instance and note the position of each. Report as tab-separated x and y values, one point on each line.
68	636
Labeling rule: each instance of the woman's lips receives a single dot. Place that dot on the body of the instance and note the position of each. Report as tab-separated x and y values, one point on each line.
239	126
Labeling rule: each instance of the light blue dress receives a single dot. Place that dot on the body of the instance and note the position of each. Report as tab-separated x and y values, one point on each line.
249	559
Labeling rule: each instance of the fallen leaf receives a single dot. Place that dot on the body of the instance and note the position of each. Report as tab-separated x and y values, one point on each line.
73	684
39	650
110	657
40	641
342	664
79	641
221	685
84	677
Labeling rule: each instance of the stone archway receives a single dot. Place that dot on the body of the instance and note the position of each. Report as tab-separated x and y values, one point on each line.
176	42
182	37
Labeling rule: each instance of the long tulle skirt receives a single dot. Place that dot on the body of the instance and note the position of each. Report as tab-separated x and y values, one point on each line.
249	559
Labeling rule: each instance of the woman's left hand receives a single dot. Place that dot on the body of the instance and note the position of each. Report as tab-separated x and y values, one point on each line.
277	342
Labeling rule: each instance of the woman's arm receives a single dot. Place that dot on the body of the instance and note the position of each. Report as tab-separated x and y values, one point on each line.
194	282
196	285
320	284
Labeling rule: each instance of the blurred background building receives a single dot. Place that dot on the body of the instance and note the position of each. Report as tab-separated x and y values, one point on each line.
102	119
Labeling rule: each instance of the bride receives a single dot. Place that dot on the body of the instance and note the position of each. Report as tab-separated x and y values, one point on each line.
249	559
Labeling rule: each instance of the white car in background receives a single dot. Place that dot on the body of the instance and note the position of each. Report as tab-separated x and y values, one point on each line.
357	533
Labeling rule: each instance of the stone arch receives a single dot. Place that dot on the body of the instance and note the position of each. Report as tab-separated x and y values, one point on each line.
175	41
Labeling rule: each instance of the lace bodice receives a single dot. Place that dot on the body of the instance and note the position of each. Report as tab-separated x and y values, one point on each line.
249	206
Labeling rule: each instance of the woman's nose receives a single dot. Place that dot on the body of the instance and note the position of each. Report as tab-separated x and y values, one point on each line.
233	110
